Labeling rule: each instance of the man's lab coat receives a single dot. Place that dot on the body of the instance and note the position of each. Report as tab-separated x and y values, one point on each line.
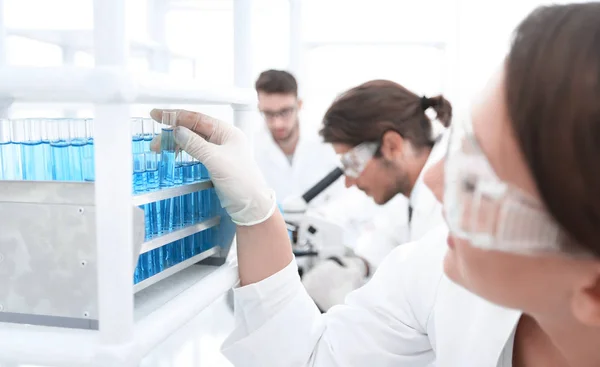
311	162
387	228
391	228
408	315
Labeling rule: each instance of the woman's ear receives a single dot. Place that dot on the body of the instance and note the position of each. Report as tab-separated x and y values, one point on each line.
586	299
392	145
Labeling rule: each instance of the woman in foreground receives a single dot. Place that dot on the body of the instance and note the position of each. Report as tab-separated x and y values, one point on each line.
515	281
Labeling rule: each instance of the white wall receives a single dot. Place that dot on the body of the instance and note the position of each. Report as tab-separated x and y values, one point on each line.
475	33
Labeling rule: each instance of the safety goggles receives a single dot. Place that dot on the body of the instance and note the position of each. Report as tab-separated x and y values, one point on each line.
284	113
355	160
488	212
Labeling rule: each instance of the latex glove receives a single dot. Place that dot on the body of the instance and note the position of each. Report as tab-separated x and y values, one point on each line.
225	152
328	283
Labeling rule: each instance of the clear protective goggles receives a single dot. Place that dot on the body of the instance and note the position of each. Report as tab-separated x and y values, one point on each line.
488	212
355	160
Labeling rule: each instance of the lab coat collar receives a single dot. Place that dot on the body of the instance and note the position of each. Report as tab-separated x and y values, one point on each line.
270	146
418	198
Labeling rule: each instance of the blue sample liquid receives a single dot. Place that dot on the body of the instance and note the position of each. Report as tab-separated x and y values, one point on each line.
153	210
158	259
204	171
197	169
206	204
146	142
139	182
189	247
89	171
189	200
11	161
76	151
48	162
33	161
167	179
198	242
167	158
138	145
61	163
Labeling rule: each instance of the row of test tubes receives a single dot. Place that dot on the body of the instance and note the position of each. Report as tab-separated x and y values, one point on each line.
47	149
170	169
63	150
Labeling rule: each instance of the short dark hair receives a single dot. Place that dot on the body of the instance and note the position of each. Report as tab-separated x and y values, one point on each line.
553	100
366	112
276	82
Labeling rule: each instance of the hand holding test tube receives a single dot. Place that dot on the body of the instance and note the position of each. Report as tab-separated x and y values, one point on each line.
225	152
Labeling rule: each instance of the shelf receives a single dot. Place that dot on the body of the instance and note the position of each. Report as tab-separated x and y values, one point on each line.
83	40
162	194
179	234
157	318
174	269
68	84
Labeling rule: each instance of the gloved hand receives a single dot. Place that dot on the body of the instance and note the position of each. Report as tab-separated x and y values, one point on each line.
329	282
225	152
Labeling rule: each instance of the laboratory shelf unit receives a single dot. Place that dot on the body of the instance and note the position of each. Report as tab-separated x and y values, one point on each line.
132	319
83	40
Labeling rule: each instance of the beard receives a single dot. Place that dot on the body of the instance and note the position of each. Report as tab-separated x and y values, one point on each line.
290	134
401	183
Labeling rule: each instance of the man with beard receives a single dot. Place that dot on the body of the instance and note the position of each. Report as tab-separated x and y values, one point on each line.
291	159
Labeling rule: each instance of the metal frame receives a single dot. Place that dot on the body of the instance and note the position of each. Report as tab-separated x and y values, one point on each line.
119	341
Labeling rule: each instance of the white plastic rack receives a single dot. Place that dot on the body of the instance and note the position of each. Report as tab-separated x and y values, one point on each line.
125	333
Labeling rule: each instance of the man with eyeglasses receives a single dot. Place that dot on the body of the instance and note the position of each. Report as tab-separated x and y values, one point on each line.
291	159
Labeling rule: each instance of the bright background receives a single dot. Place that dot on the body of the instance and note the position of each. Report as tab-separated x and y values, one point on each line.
430	46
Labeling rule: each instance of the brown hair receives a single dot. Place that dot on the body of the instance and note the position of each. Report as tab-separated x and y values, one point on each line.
553	96
366	112
276	82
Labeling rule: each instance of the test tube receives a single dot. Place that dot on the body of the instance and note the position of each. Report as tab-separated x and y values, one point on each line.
7	156
79	139
60	140
48	162
167	149
153	210
139	173
27	133
137	135
148	129
145	264
89	172
204	170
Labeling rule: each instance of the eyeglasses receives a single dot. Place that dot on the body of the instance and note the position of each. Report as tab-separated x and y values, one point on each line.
355	160
284	113
488	212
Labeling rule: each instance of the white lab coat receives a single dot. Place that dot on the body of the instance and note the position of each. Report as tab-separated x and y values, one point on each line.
390	227
408	315
312	161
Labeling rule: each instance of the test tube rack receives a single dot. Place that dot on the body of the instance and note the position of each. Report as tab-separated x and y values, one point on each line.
48	236
130	325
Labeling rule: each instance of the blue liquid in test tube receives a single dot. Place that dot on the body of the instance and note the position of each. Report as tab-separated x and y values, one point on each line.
5	150
178	210
28	133
148	131
79	141
167	179
137	135
60	141
89	171
11	153
145	266
139	173
152	210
